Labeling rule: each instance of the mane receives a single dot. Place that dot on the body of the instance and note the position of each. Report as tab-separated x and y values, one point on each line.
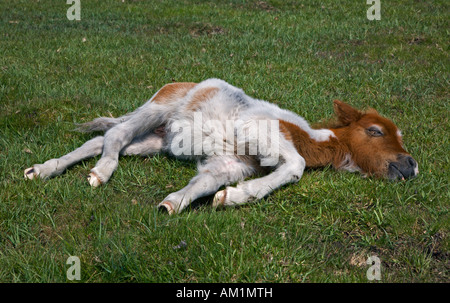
329	123
335	123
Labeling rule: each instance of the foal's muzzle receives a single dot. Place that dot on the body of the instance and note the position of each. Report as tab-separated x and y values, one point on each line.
405	167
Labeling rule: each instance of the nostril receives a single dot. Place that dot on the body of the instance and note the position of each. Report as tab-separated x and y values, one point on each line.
411	161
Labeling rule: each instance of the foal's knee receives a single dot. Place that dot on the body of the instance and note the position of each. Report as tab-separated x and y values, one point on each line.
296	168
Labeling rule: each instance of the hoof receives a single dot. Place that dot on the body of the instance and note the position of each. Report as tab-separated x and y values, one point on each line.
167	206
94	180
30	173
219	198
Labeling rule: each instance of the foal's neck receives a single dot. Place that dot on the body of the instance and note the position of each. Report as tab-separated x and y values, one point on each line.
316	154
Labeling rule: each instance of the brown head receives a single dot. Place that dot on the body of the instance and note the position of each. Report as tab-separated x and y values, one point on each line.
374	143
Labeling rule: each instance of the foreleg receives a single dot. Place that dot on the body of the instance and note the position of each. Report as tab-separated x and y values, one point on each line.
216	173
291	170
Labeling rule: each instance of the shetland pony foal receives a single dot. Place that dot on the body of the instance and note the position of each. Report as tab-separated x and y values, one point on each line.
356	141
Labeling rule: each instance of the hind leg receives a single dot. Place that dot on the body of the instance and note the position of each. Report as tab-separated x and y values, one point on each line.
145	145
54	167
115	139
142	145
146	118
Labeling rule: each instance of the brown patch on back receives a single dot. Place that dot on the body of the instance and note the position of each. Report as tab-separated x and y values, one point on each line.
201	96
173	91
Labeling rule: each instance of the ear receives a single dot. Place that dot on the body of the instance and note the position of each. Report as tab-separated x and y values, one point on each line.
345	113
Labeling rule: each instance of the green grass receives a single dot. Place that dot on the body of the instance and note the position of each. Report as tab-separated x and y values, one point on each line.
298	54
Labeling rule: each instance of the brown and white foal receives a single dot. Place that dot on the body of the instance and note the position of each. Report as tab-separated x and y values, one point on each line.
234	136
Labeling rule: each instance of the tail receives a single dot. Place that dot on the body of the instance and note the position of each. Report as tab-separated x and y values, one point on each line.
101	124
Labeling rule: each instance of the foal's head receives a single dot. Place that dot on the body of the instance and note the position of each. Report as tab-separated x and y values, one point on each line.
374	142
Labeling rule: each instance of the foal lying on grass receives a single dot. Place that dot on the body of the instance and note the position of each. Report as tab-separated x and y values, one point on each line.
233	136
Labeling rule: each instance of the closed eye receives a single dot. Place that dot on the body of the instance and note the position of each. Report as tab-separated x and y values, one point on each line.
374	131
